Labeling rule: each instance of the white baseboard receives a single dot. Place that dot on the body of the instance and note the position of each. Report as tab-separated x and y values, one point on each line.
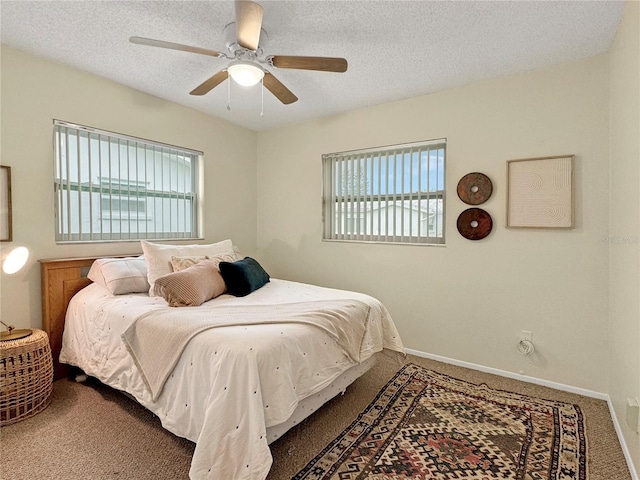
623	443
544	383
516	376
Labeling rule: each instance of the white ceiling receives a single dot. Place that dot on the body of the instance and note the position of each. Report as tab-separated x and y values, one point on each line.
395	49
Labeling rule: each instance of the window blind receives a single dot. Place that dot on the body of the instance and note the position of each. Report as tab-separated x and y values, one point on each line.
392	194
111	187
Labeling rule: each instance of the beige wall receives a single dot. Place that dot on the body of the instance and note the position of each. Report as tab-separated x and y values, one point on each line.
34	92
624	287
468	300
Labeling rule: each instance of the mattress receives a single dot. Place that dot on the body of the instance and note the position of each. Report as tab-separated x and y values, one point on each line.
230	384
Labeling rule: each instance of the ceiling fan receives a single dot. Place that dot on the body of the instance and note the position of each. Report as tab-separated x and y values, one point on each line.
245	52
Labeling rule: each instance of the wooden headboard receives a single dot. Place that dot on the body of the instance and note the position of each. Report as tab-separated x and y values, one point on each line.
62	278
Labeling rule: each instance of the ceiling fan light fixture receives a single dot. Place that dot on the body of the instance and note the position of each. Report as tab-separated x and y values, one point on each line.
245	73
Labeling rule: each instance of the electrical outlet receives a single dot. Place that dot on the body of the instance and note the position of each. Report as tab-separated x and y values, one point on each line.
633	408
526	335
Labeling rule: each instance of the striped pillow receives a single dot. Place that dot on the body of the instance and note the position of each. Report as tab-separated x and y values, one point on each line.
192	286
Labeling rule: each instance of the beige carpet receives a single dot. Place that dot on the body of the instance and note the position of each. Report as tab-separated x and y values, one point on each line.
93	432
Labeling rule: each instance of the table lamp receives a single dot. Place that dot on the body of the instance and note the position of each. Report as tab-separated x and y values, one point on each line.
13	334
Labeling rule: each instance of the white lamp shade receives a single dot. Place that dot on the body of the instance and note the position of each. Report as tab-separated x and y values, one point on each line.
15	260
246	74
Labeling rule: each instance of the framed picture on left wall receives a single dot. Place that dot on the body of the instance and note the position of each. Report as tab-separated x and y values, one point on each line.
6	231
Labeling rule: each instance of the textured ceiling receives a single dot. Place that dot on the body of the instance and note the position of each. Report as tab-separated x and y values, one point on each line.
395	49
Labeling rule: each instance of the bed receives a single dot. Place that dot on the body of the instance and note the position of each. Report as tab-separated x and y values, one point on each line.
233	387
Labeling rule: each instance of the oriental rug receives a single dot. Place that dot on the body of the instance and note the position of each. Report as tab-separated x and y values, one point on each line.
426	425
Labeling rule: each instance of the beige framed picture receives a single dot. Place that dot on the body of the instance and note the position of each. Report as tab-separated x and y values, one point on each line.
6	234
540	192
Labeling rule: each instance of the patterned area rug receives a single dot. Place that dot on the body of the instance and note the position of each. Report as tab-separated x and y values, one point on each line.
426	425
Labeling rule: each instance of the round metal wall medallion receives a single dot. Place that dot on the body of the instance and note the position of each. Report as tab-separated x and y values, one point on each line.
475	188
474	224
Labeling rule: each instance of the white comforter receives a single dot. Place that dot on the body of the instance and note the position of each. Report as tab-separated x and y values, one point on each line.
231	383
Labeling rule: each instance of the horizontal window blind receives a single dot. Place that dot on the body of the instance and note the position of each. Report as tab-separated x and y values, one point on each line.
392	194
111	187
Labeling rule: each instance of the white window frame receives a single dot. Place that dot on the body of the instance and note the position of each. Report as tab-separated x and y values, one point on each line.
396	193
95	168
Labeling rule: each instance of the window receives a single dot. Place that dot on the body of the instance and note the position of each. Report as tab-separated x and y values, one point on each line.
121	207
392	194
111	187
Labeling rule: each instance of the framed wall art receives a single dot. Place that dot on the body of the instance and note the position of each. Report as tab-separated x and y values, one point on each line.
6	233
540	192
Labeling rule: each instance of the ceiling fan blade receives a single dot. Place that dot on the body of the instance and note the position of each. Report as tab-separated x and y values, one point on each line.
210	83
276	87
174	46
325	64
248	23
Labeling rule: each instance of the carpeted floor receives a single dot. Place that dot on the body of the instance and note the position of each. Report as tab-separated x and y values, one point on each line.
93	432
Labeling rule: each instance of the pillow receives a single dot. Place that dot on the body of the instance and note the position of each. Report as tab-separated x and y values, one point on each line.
180	263
243	276
120	275
217	259
158	256
237	254
192	286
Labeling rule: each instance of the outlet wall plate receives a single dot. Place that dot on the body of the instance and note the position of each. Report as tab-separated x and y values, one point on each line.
526	335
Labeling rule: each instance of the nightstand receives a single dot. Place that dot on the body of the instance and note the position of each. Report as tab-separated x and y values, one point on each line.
26	377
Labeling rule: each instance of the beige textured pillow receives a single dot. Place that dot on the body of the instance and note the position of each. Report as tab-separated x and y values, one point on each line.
180	263
226	257
192	286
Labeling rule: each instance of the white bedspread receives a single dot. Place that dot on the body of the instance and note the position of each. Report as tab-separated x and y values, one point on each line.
230	383
157	339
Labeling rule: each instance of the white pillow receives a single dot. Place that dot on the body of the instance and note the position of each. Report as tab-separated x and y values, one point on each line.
120	275
158	256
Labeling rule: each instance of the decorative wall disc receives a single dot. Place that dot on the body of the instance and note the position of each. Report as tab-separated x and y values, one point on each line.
474	224
475	188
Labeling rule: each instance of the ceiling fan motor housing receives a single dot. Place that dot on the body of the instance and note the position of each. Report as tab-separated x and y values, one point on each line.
234	48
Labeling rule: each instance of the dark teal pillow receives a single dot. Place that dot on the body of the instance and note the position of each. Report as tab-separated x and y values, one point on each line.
243	276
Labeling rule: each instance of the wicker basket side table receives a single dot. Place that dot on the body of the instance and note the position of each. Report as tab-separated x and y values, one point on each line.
26	377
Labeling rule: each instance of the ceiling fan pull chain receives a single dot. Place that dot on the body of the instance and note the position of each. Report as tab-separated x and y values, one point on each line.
229	95
262	90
